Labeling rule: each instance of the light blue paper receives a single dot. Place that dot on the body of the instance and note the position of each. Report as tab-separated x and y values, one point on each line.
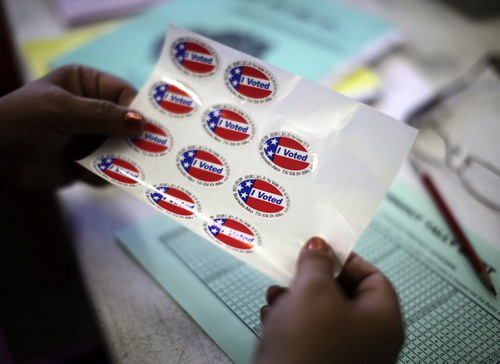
450	316
310	39
148	243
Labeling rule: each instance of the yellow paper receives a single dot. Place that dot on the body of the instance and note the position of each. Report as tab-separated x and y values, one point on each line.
40	52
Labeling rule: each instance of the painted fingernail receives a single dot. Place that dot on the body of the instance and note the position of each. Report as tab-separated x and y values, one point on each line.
133	121
317	244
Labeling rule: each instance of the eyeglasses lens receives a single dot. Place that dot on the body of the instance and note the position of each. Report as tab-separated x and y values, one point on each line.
482	181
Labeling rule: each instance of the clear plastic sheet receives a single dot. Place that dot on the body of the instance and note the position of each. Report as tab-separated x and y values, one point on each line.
251	157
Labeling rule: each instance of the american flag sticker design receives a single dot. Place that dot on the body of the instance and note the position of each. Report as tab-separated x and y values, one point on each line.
287	153
233	233
261	196
202	166
174	200
154	140
228	125
250	82
173	99
119	169
194	57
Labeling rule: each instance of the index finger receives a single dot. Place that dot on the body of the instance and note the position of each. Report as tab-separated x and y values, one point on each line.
91	83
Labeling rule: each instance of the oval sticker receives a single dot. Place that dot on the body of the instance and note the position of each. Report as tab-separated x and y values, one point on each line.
202	166
228	125
120	170
233	233
261	196
174	200
194	57
250	82
173	99
287	153
155	140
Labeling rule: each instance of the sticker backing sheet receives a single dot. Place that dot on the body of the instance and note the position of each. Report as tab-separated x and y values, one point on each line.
251	157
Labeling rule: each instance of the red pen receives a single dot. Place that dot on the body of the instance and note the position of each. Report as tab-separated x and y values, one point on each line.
467	247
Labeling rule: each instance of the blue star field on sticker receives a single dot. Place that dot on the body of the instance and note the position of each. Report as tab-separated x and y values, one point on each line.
159	194
180	52
187	159
235	78
159	93
212	119
105	163
270	147
245	188
216	226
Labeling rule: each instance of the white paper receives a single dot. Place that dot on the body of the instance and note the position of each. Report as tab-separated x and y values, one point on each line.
333	158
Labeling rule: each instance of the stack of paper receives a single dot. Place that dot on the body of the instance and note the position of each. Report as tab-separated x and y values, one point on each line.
85	11
319	40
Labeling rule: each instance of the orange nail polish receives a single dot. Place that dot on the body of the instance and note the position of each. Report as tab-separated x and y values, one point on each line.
133	121
317	244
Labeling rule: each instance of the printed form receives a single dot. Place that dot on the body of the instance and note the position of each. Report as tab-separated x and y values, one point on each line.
449	316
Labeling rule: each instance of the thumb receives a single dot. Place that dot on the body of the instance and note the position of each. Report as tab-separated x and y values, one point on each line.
92	116
316	261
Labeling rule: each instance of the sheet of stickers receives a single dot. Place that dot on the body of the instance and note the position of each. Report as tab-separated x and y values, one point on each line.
251	157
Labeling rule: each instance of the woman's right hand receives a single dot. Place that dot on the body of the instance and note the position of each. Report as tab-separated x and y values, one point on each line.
354	319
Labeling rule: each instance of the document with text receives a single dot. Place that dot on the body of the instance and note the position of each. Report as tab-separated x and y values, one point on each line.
449	316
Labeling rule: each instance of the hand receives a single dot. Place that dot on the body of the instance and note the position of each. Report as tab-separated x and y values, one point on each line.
47	124
354	319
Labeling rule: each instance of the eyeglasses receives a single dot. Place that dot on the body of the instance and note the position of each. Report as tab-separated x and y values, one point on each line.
480	177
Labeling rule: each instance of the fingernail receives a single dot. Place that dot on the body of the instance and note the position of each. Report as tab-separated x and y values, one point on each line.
317	244
133	121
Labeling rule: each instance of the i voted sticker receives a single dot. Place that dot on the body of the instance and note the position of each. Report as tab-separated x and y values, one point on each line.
261	196
194	57
203	166
250	82
233	233
287	153
174	200
228	125
119	169
154	141
173	99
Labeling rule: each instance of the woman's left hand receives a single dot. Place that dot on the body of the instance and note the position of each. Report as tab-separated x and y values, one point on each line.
64	116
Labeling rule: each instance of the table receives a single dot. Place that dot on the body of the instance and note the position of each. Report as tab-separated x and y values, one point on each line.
139	321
